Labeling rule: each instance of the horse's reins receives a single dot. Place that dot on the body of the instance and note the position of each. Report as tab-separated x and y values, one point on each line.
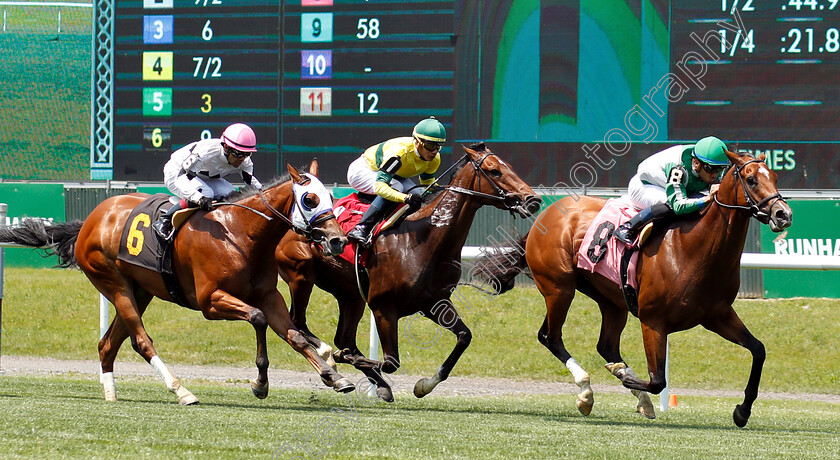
754	207
307	232
500	193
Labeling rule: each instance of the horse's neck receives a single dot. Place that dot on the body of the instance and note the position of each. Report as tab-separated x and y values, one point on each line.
720	236
452	216
261	231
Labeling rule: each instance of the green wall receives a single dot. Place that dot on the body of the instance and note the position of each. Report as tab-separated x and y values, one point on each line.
45	201
815	231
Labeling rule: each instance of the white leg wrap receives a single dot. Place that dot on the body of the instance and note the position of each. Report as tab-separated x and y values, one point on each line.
110	386
326	353
578	372
162	372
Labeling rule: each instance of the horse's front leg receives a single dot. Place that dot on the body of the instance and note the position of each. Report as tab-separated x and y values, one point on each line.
224	306
444	314
613	320
300	290
655	340
351	309
730	327
274	309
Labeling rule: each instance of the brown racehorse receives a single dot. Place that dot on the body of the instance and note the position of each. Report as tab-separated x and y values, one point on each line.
413	268
688	276
224	264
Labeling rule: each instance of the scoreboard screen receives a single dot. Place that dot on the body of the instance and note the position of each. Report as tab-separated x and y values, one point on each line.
543	82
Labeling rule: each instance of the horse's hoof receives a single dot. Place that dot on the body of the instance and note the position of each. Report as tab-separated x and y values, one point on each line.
585	401
645	406
424	386
385	394
740	416
188	400
111	398
343	385
260	391
617	369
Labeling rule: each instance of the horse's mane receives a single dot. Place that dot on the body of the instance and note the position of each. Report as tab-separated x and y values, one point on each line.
245	192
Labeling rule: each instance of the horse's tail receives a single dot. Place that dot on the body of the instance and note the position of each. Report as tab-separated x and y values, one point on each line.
499	268
56	239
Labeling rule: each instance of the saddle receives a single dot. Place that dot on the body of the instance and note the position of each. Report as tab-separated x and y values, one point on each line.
601	253
348	213
140	245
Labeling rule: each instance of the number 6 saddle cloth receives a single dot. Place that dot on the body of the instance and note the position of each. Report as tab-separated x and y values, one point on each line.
600	252
140	245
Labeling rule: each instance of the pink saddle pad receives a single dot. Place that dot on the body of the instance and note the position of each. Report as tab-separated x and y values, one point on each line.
600	252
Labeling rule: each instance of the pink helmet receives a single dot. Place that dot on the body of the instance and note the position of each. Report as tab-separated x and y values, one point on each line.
241	137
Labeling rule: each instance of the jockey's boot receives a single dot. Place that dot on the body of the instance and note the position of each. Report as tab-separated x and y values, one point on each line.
361	232
627	232
163	226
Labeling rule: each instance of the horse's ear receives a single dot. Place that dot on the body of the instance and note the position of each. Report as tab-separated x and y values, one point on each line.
295	175
761	156
313	167
733	157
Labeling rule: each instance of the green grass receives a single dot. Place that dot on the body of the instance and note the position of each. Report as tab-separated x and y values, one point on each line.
45	95
74	422
54	313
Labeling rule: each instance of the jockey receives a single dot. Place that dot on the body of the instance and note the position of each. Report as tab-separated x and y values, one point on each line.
385	170
679	180
195	172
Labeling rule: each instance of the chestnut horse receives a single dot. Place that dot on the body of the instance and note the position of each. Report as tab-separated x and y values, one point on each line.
224	262
688	276
412	268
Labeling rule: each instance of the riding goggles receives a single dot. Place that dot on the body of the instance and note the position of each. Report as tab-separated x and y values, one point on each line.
430	146
238	153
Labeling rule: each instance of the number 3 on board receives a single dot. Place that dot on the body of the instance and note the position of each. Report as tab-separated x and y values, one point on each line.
208	106
134	240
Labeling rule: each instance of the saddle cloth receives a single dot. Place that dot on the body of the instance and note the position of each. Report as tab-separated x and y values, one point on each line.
600	252
348	213
139	245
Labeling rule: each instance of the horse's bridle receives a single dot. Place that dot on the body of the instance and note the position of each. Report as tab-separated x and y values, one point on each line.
509	201
754	207
309	231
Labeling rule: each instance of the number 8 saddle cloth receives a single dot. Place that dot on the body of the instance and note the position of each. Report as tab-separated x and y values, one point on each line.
600	252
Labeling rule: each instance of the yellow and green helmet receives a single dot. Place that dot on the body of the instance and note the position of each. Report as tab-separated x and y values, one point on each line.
430	130
711	150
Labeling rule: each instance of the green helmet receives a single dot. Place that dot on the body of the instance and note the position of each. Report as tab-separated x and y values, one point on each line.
430	130
711	150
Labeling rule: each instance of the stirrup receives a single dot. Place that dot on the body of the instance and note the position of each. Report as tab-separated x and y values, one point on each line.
160	230
358	236
627	239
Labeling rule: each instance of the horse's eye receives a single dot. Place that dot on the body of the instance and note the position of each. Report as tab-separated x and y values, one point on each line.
751	181
495	173
310	200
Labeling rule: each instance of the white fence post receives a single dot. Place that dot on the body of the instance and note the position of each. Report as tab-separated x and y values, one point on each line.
4	209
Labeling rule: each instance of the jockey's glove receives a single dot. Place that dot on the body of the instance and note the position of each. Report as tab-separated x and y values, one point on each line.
205	203
414	202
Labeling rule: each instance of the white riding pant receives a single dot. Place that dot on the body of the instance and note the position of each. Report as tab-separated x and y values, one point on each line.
363	179
196	188
643	195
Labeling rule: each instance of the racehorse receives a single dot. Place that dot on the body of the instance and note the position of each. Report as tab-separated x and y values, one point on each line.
413	267
224	264
687	276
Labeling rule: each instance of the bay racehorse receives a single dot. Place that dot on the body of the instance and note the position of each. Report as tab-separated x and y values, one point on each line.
224	262
413	268
687	276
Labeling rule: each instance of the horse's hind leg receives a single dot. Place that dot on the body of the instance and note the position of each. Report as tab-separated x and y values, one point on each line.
613	320
557	302
111	342
122	296
444	314
730	327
